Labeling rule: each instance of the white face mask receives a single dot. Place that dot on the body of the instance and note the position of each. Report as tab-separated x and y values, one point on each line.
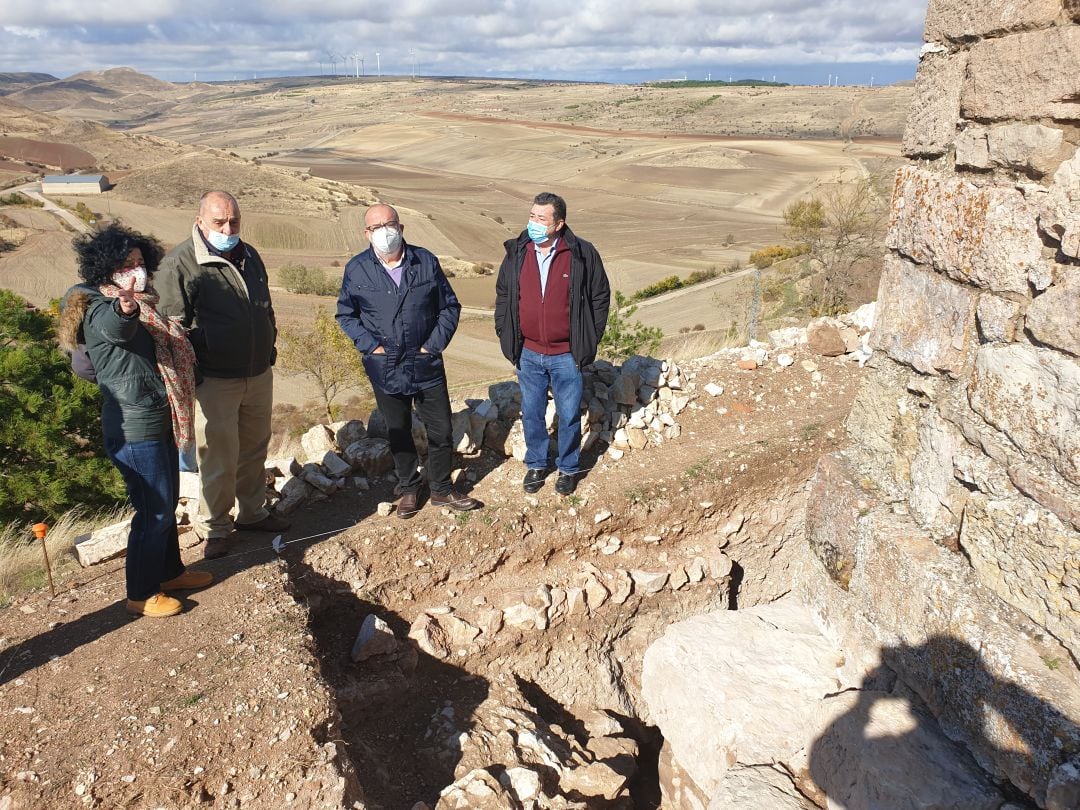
122	278
387	241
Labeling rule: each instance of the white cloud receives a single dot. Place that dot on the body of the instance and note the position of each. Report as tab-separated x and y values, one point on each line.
557	39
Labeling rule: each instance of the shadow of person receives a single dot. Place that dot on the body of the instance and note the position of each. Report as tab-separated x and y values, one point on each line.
311	525
890	749
403	711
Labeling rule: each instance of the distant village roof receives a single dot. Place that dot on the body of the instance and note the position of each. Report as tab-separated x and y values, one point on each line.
73	178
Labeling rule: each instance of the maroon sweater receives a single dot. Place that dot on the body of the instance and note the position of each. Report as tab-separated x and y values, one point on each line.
545	319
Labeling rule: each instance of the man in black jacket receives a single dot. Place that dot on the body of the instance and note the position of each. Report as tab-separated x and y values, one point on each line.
400	312
217	285
551	308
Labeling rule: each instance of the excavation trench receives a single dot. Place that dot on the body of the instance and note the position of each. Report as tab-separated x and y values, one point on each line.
521	675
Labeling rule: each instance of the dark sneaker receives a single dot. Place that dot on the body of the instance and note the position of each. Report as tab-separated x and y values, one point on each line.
566	484
534	479
455	500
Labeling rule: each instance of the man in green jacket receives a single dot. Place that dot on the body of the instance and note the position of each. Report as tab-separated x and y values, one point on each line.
217	285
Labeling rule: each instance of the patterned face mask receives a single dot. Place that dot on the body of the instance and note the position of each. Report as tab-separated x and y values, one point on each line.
122	277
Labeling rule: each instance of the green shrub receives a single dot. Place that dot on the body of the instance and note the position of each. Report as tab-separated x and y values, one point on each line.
298	278
767	256
658	288
51	453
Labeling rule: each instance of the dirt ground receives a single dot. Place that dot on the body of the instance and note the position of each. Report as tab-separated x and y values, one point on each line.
244	698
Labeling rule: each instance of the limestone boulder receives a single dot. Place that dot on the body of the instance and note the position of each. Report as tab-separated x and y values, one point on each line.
972	148
1027	76
317	442
1025	555
1032	148
935	107
998	319
1059	208
923	320
962	21
1028	394
1053	316
345	433
372	455
1001	244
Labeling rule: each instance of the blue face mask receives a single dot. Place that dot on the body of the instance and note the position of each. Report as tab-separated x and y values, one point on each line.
537	232
221	242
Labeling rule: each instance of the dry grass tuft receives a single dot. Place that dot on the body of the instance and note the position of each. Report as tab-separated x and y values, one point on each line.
22	568
698	344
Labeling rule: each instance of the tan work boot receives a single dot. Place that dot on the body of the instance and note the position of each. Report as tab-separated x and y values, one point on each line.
157	606
189	580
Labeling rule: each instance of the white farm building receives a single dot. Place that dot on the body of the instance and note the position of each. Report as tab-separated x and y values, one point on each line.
74	183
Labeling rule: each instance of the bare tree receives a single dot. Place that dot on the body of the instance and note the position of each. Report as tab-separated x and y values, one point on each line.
326	355
843	227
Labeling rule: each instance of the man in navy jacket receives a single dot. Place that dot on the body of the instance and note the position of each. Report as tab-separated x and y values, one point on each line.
400	312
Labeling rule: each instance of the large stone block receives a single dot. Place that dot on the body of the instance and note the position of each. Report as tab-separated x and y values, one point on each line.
1031	395
1025	76
924	320
103	544
981	235
705	685
1030	559
762	687
936	499
935	108
962	20
980	665
998	318
883	426
1026	147
972	149
1054	317
832	516
1059	207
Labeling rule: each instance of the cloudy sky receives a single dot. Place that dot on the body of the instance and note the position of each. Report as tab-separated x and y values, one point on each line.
802	41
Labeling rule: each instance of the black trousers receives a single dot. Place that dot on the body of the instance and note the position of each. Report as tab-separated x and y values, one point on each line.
433	407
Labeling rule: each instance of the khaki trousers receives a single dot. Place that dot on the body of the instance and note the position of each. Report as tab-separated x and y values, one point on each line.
232	431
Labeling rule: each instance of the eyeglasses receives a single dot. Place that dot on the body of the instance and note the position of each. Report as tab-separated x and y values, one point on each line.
373	228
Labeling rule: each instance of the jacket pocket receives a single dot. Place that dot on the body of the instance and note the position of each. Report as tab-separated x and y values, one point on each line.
427	368
144	391
375	366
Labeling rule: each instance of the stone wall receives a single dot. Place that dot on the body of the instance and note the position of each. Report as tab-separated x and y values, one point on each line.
948	536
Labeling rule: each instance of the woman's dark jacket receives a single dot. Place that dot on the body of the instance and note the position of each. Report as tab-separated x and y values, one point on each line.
134	405
590	297
422	313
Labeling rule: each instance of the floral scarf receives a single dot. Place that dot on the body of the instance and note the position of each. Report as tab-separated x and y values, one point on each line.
175	360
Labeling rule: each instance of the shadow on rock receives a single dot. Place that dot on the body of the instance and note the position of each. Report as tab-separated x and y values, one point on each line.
888	749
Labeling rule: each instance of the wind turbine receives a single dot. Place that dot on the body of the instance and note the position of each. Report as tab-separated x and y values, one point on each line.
378	64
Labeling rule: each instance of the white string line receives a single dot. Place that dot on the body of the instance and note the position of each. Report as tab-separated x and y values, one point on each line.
271	547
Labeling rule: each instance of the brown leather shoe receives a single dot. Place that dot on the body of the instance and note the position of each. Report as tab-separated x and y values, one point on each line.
455	500
409	505
216	547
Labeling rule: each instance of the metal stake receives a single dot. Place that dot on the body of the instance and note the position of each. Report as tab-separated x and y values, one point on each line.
40	530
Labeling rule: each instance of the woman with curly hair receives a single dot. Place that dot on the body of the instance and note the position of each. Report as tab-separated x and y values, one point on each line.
146	372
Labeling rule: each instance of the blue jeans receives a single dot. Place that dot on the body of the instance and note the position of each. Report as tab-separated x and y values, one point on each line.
151	471
536	374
